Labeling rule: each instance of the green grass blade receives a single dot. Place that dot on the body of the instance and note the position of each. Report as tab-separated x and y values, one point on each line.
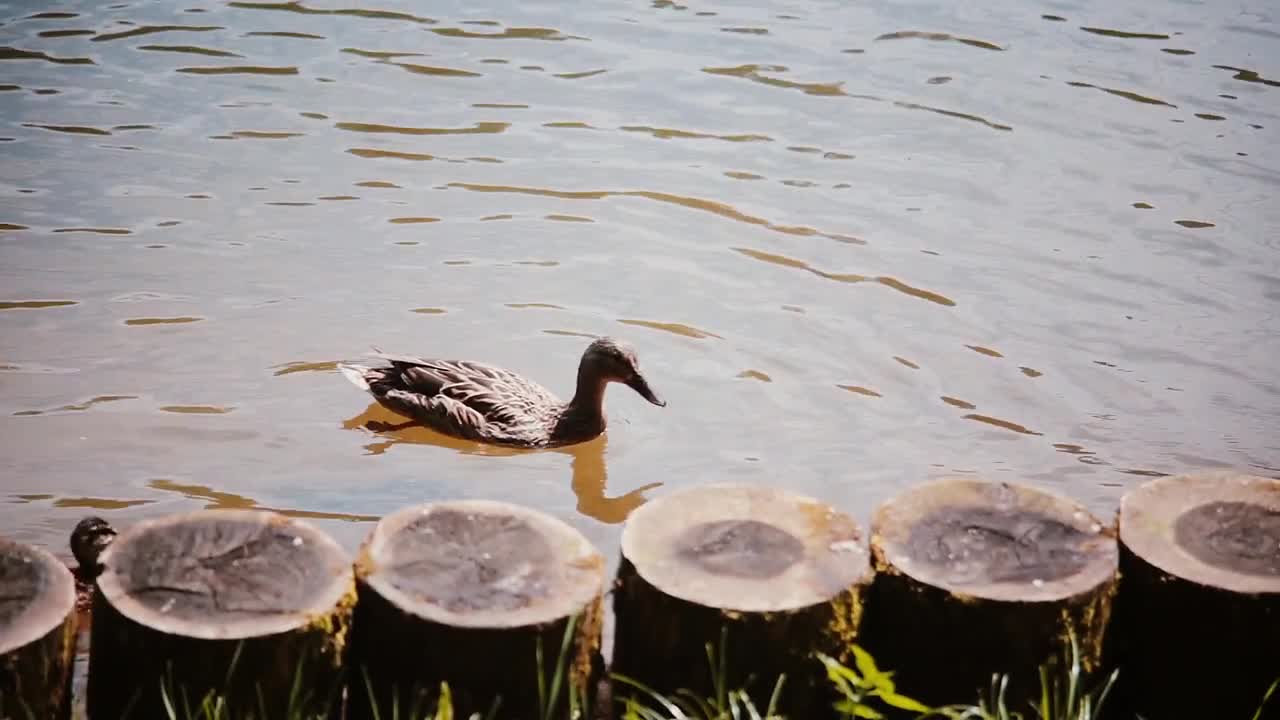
776	696
672	709
368	687
562	662
1270	691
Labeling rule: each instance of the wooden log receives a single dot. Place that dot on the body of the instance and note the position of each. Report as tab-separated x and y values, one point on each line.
243	604
1199	606
463	592
37	632
781	575
975	578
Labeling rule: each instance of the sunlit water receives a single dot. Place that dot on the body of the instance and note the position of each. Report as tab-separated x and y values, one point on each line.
855	245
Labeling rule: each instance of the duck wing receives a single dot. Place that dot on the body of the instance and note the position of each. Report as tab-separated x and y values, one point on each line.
497	394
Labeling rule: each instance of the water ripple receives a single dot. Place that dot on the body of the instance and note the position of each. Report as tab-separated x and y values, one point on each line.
1124	34
480	128
693	203
298	7
674	328
776	259
239	70
12	53
939	37
669	134
1126	94
153	29
515	33
191	50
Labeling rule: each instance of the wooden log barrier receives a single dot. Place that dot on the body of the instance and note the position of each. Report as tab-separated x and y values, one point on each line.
1199	606
37	632
781	575
975	578
464	592
245	604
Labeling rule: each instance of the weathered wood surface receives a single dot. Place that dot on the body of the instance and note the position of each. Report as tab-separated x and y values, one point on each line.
781	574
37	632
976	577
241	603
1199	606
463	592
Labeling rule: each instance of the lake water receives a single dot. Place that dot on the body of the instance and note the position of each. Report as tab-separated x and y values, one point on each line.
856	245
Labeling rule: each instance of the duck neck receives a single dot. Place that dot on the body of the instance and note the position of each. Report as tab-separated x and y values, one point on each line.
587	406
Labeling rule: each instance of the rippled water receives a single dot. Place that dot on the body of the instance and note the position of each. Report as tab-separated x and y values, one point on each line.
856	246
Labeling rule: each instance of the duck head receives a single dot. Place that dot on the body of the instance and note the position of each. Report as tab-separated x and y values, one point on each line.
609	360
90	537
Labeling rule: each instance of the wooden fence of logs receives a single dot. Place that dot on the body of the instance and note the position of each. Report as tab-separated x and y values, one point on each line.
958	579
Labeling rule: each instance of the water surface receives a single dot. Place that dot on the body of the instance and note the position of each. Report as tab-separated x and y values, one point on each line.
856	246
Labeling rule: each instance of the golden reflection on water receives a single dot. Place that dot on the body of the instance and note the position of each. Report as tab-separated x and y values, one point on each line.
219	500
590	475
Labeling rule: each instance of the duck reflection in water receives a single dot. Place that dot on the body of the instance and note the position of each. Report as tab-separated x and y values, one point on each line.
590	475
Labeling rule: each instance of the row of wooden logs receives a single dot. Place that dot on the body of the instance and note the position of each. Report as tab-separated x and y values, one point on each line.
960	579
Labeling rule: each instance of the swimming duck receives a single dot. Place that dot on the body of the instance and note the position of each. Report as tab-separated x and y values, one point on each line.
488	404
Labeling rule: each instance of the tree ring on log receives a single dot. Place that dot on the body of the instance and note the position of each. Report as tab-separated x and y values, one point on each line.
1219	529
37	592
1236	536
994	541
740	548
224	574
745	548
481	564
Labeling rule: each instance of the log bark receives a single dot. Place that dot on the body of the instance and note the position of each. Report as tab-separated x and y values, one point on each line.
777	576
975	578
463	592
1199	606
243	604
37	632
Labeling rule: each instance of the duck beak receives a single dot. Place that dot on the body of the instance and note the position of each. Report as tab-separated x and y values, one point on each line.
640	385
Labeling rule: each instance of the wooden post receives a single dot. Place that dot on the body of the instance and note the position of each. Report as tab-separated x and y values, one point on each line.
781	575
37	632
464	592
1199	606
975	578
238	603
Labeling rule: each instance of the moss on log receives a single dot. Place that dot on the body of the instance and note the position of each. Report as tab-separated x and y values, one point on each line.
975	578
782	575
244	604
37	632
464	592
1199	606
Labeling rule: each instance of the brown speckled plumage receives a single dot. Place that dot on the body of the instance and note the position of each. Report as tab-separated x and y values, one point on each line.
489	404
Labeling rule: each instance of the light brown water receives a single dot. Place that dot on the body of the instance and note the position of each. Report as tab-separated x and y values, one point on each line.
856	246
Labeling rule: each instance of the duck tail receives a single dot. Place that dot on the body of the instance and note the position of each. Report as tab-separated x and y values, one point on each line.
355	373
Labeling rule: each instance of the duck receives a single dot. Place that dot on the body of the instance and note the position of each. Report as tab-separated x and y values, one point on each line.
487	404
89	538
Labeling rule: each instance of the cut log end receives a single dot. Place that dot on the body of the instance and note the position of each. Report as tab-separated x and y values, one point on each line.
1200	600
997	573
481	564
224	574
241	603
471	593
1218	529
745	548
781	575
994	541
37	631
